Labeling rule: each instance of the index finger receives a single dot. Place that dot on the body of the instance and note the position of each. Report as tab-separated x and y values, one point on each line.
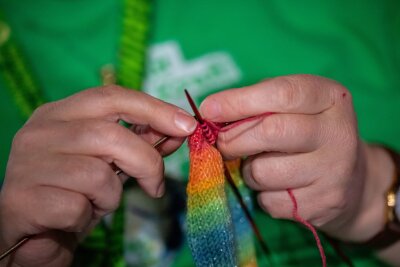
304	94
115	103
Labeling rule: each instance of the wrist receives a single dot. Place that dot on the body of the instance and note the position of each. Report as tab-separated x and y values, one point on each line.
390	233
372	212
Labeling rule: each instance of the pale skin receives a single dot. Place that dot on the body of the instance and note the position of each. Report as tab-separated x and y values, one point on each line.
310	144
59	181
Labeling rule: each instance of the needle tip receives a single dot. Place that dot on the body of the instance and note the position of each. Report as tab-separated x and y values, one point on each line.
194	108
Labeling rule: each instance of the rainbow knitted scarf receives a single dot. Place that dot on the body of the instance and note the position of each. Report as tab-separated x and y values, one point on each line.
219	234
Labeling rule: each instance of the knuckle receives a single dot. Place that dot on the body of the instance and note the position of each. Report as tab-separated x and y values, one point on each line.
78	168
310	131
272	206
299	90
114	197
290	94
260	133
22	138
108	91
100	173
78	209
277	205
106	94
113	134
157	165
275	213
338	90
336	200
239	106
86	131
258	171
44	109
105	135
345	166
150	165
279	170
10	202
103	179
25	138
273	128
328	208
225	146
264	204
339	95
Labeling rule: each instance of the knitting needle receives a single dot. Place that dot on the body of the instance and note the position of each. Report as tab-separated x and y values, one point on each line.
156	145
246	211
118	171
13	248
197	114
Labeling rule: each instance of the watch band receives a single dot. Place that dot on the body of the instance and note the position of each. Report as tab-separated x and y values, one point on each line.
391	231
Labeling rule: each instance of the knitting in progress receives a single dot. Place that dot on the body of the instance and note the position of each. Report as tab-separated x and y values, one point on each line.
209	221
219	230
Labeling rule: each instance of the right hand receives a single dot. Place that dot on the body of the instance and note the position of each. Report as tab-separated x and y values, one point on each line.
59	180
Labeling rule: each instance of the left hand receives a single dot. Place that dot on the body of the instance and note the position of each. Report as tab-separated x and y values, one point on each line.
309	144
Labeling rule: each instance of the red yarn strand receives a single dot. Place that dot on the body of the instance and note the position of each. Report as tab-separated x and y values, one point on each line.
299	219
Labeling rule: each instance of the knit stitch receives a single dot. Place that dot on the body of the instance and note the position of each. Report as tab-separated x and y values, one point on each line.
218	231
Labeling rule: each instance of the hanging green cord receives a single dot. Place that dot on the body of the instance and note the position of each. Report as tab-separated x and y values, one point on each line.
18	77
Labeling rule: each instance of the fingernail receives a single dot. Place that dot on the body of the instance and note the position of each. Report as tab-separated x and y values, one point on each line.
160	190
185	122
211	109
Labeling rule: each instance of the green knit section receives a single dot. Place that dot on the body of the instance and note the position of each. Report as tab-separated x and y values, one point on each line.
132	53
19	78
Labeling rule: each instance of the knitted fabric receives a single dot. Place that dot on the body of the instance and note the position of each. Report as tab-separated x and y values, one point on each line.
244	241
218	233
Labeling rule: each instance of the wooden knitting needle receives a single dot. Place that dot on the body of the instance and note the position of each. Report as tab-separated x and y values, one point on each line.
156	145
13	248
118	171
197	114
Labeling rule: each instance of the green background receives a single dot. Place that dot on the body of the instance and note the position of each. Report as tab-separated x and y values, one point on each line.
354	42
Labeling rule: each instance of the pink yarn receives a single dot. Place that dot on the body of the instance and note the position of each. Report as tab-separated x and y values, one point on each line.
298	218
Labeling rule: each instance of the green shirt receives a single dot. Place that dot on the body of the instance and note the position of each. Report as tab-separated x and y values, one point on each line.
213	45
